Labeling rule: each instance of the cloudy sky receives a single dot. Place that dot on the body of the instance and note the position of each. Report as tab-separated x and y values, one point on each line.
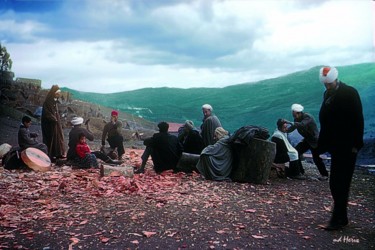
118	45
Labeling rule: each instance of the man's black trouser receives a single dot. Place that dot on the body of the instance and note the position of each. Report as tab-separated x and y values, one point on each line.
342	169
302	147
117	142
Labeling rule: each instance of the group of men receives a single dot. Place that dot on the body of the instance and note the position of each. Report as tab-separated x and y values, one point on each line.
166	149
341	135
306	126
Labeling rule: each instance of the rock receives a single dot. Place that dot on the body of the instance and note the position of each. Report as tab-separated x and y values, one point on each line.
187	163
4	149
118	171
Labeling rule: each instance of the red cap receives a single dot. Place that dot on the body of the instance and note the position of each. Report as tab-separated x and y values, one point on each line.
114	113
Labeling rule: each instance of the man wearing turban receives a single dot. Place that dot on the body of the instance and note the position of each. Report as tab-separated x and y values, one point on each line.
341	134
307	128
215	162
210	123
113	132
74	136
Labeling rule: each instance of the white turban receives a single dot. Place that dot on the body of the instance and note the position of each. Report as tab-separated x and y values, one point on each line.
297	107
220	132
328	74
189	124
207	106
77	121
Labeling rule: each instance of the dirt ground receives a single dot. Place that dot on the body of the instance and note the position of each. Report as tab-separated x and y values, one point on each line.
76	209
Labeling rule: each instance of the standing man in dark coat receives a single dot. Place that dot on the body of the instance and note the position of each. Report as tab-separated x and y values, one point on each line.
113	132
164	148
210	123
27	139
341	134
307	128
52	131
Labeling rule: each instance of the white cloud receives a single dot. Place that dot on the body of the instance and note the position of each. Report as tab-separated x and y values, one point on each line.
111	46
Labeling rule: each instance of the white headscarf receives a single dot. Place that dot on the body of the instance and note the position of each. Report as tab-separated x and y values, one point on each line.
207	106
189	124
76	121
297	107
220	132
328	74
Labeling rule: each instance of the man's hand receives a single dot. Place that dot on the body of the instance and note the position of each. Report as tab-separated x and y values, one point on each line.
288	122
34	135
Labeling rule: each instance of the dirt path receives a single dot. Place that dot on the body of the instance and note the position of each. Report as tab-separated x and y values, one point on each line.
76	209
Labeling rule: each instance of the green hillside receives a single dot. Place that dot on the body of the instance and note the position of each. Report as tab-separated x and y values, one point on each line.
260	103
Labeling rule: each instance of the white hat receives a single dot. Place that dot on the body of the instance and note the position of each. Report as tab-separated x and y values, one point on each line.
328	74
220	132
189	124
297	107
207	106
77	121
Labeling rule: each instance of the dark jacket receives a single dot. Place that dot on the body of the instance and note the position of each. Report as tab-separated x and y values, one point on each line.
341	120
26	139
208	129
245	134
192	142
111	130
74	138
166	150
307	128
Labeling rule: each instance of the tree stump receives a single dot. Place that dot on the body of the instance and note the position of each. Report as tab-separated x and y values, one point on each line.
253	162
187	163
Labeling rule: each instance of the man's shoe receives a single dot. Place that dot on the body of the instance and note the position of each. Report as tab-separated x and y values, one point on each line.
336	225
298	177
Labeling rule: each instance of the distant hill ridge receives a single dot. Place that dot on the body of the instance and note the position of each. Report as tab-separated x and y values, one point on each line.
259	103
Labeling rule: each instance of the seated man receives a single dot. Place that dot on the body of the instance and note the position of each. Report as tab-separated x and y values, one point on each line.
112	130
28	139
216	160
74	134
164	148
285	152
190	138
